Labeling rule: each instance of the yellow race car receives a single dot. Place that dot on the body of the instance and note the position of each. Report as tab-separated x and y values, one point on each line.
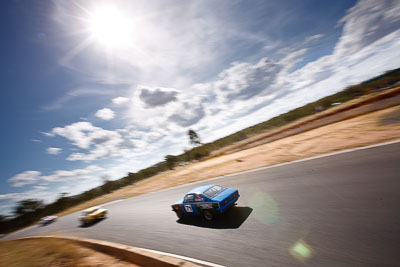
92	214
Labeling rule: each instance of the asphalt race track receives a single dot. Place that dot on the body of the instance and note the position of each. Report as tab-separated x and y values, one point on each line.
340	210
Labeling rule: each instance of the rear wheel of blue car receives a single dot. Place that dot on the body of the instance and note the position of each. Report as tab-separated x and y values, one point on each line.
208	215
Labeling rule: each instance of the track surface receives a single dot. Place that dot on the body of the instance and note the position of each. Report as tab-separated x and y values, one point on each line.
340	210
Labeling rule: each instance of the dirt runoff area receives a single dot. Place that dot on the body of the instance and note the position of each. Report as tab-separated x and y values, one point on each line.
372	128
54	253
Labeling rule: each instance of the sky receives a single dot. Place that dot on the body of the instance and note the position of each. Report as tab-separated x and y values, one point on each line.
96	89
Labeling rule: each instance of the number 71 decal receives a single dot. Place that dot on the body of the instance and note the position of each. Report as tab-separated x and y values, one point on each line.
188	208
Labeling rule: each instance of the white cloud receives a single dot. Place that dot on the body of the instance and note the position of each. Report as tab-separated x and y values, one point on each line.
99	143
47	134
105	114
53	150
32	177
365	23
120	100
238	89
313	38
40	187
24	178
188	113
77	133
154	97
36	140
76	174
243	80
7	201
10	196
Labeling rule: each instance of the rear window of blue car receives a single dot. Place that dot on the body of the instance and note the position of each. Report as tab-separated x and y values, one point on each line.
214	191
188	198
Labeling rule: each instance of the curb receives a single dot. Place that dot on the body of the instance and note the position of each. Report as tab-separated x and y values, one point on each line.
130	254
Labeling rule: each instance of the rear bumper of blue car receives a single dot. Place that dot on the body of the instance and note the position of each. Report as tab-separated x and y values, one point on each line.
223	208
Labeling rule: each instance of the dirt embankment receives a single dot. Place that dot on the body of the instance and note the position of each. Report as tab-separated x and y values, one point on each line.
54	253
351	109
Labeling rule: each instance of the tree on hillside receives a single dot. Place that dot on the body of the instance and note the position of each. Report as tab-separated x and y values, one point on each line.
62	202
187	154
4	224
28	206
170	160
194	138
107	183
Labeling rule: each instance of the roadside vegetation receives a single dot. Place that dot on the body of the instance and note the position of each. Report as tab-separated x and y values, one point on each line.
29	211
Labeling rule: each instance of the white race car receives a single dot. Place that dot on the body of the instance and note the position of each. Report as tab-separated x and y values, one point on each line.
47	220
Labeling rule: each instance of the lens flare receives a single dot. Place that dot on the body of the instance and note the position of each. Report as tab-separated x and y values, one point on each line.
301	251
265	208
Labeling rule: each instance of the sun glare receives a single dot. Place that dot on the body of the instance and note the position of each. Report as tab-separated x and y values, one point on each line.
110	27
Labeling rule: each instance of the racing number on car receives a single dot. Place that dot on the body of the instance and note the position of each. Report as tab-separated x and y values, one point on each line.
188	208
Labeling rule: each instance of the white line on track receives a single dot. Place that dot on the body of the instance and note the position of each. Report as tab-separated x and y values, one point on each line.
315	157
204	263
112	202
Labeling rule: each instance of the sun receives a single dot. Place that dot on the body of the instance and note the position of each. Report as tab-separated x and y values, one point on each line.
110	27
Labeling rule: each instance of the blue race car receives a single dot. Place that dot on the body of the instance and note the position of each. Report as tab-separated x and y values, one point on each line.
206	200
